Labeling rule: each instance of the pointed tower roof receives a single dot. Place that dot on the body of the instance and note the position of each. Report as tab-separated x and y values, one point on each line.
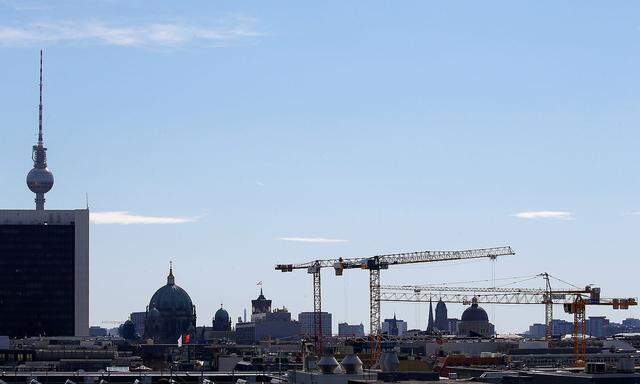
430	323
171	280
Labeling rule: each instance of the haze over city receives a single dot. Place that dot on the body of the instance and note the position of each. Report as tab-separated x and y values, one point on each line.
228	137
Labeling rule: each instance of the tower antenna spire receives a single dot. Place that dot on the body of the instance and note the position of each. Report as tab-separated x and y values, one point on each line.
40	139
40	178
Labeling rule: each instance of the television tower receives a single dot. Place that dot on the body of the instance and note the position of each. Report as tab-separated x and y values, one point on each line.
40	178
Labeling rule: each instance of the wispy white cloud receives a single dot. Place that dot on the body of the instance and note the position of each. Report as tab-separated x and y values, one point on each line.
532	215
259	183
124	217
153	35
312	240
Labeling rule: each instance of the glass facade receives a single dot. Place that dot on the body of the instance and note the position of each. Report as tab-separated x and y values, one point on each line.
37	280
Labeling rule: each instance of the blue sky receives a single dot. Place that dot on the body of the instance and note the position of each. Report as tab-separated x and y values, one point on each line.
228	129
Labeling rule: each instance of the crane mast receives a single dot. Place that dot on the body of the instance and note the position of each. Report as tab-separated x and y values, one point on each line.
574	301
375	264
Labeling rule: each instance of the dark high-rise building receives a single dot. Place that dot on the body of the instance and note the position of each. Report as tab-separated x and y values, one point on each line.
307	322
138	319
44	261
394	327
44	273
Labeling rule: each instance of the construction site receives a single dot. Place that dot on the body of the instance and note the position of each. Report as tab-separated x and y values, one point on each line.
471	349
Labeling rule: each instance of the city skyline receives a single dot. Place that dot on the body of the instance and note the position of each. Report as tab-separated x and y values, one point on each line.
231	145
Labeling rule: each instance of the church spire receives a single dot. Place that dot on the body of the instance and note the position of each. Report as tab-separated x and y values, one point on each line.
430	323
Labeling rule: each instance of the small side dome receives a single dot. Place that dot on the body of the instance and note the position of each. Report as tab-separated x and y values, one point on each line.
221	316
127	330
474	313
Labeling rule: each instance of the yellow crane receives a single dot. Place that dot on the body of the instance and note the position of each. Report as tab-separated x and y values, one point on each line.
574	301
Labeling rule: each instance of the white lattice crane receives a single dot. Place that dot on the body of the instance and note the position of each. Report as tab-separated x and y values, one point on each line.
375	264
574	301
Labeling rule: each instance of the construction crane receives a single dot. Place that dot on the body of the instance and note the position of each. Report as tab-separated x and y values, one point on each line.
375	264
547	296
574	301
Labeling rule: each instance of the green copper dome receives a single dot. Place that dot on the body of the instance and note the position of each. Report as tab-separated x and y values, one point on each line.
171	298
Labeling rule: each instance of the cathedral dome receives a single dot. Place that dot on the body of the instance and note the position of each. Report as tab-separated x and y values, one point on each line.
170	313
474	313
171	298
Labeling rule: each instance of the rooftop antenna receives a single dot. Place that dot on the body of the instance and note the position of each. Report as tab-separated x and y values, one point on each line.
40	178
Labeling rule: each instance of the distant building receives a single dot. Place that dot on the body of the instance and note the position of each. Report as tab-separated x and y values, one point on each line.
260	307
221	320
631	323
170	314
597	326
394	327
246	333
441	323
206	335
452	325
138	319
561	327
219	331
96	331
308	325
475	322
277	325
537	331
266	324
350	330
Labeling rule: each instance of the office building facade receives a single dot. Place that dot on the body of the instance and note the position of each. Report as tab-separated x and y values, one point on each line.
308	325
44	272
350	330
394	327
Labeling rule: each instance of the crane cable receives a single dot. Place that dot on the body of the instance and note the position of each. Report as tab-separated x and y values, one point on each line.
565	282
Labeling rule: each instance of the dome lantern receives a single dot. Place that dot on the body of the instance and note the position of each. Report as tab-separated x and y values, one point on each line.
170	279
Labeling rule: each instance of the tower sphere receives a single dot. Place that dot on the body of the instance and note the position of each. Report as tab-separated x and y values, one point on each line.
40	180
